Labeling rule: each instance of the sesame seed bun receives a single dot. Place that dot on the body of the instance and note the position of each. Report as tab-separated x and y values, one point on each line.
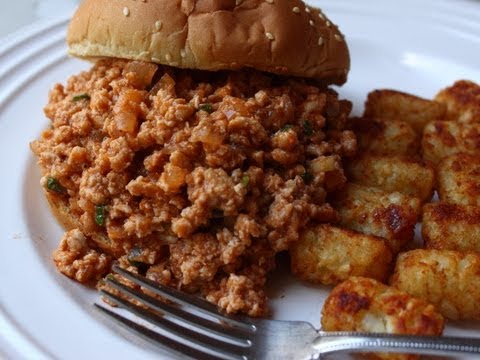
280	36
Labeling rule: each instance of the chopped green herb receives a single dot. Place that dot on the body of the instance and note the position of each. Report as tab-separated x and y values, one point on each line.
141	266
135	259
206	107
100	214
54	185
245	180
307	128
110	277
286	127
81	97
307	177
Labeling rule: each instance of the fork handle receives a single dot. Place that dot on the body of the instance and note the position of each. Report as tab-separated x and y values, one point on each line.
379	342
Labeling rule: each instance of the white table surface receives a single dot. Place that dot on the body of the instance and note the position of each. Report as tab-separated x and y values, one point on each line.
16	14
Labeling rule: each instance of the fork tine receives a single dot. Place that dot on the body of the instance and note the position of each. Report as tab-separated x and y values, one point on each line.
183	335
183	299
232	335
158	339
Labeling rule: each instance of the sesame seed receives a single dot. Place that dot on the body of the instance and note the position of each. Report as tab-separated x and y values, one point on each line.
126	12
311	22
168	57
328	23
338	37
320	41
320	15
183	53
307	9
158	25
269	36
269	1
296	10
156	60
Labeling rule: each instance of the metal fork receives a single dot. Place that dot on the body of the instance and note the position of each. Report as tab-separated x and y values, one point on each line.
193	327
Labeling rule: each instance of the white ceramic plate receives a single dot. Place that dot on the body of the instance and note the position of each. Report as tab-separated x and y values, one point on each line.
413	46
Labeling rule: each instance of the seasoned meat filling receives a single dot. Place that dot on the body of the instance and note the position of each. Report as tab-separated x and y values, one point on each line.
196	178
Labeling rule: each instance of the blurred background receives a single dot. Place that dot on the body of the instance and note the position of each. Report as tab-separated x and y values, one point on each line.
18	13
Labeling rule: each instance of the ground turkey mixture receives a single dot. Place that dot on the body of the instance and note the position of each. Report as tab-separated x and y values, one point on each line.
194	179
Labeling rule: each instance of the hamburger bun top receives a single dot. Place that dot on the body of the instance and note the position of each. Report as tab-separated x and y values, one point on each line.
279	36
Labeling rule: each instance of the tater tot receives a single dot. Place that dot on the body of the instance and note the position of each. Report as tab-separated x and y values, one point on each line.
372	211
361	304
444	138
390	105
450	280
462	100
451	227
393	173
459	179
385	138
328	255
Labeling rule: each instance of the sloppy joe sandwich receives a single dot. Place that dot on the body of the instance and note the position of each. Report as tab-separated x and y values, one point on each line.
202	142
